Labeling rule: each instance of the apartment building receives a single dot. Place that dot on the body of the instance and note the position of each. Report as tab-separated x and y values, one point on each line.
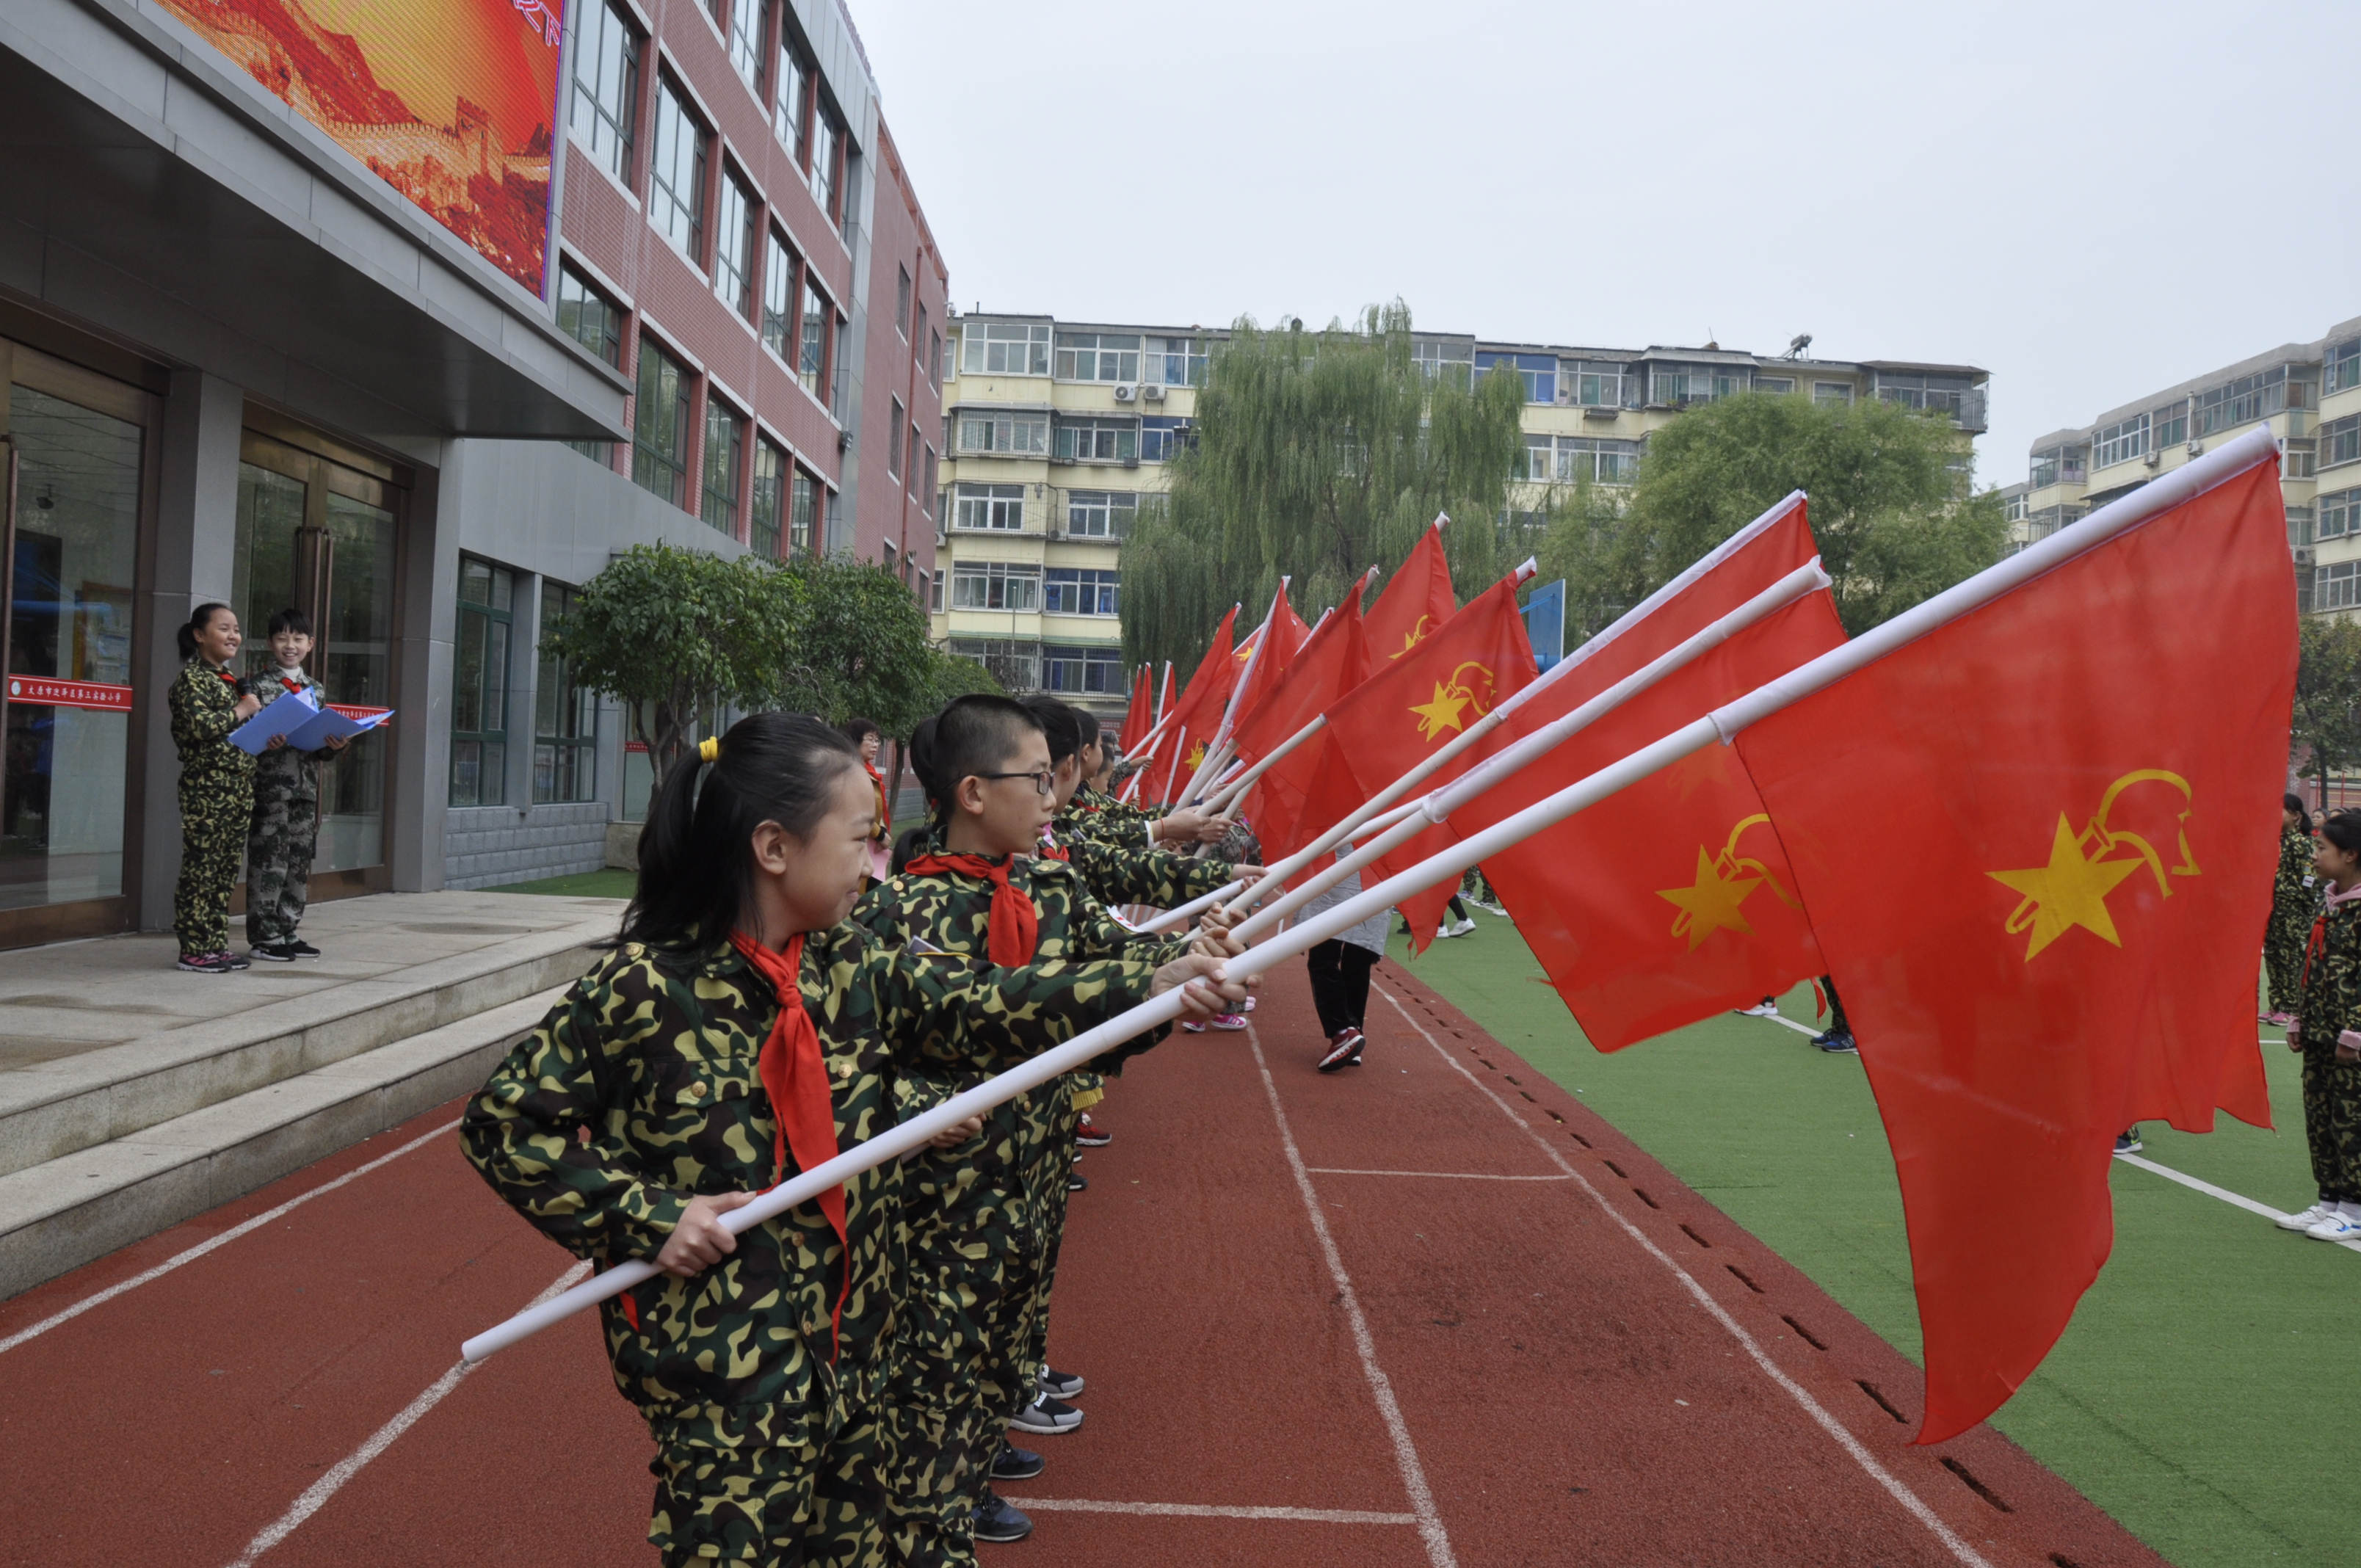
2309	393
1059	434
285	320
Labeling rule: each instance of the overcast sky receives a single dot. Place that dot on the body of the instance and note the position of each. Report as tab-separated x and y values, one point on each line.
2090	200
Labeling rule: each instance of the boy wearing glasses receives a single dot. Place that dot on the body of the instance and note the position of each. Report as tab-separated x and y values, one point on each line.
984	1219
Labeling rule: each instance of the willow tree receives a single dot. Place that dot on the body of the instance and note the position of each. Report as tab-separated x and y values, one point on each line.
1317	456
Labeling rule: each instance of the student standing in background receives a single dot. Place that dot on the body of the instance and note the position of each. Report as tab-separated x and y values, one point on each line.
207	702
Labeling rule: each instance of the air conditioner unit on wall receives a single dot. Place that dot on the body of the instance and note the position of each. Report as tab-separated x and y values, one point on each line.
1153	392
1124	391
2153	460
2195	448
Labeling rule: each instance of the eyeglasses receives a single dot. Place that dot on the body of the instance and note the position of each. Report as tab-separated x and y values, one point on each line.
1044	783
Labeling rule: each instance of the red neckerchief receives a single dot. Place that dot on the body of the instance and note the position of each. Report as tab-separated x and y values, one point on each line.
291	685
794	1075
227	676
1015	925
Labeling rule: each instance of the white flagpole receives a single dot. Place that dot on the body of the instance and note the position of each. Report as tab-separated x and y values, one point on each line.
1218	756
1175	920
1225	793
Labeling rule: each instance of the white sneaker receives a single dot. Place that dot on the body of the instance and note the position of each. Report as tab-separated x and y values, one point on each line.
2307	1218
1760	1010
1460	929
2337	1227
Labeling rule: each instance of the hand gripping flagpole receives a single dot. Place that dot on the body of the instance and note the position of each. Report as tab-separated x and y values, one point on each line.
1721	725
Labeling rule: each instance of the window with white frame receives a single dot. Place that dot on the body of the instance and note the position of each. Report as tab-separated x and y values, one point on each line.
1439	359
1000	508
1597	386
1098	356
1781	384
1582	458
1537	465
676	173
935	593
2340	441
1536	372
827	162
1068	667
2298	458
1162	438
811	344
1101	514
746	20
1096	441
2168	426
779	265
2119	443
1016	666
2341	366
733	246
1074	590
2337	587
607	87
1831	394
791	109
2299	527
1004	348
1175	361
902	303
2241	402
2340	513
1020	433
996	585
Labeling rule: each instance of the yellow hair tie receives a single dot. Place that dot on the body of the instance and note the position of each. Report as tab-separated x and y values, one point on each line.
709	748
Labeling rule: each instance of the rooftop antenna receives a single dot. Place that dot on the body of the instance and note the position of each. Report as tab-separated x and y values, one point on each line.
1796	345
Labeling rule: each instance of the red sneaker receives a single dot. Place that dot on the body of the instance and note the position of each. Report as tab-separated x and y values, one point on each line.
1344	1050
1089	1135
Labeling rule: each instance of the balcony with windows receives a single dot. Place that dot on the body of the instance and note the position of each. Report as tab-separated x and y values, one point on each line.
1957	394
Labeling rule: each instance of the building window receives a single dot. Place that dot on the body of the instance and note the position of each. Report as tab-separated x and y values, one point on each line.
2242	402
1016	666
1098	356
2340	441
779	266
935	358
607	88
2341	366
1162	438
1598	386
1600	462
2169	426
564	719
1829	394
1016	433
733	250
1078	591
902	306
910	461
894	440
1097	441
1536	464
803	516
2118	442
935	594
791	112
1175	361
746	41
677	174
479	684
2337	587
769	498
996	585
926	496
1779	385
2297	459
660	427
1538	372
827	161
997	507
1004	348
811	361
1440	360
725	444
2340	514
1101	514
1069	668
585	315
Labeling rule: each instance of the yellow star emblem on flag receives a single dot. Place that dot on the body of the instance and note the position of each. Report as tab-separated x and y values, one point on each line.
1417	635
1715	900
2072	890
1470	686
1196	754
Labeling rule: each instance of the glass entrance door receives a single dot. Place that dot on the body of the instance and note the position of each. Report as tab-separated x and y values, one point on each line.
318	536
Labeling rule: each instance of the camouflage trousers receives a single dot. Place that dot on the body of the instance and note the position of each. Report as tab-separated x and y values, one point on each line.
214	809
279	849
1048	1168
2332	1121
2283	943
722	1499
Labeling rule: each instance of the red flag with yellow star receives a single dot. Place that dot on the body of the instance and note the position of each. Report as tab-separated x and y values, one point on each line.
1670	901
1332	662
1194	715
1416	603
1411	708
2036	845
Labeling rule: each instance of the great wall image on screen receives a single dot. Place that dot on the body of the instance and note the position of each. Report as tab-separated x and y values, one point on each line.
493	197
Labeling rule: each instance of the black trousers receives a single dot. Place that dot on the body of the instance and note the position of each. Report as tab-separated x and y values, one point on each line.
1836	1024
1340	984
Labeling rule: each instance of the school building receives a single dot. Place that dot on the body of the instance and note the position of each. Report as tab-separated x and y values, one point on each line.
1057	435
413	326
2309	393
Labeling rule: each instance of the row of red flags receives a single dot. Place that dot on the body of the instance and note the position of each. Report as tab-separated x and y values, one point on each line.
2034	846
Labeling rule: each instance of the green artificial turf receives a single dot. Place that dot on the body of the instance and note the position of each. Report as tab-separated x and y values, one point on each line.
2205	1394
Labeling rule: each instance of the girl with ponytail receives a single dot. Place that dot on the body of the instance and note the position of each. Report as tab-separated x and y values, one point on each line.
739	1033
207	700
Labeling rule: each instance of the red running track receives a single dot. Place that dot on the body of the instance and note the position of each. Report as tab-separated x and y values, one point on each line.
1430	1311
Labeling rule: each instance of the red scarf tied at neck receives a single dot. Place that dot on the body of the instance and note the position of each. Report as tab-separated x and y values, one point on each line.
794	1075
1015	928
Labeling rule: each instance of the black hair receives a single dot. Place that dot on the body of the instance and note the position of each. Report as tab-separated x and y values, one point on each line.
696	867
859	729
977	734
1063	727
2343	829
289	619
1090	722
2295	803
921	754
199	618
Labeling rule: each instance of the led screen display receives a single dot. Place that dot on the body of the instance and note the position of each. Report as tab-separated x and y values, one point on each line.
450	102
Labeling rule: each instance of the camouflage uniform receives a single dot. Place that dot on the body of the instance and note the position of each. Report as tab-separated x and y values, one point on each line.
216	803
984	1219
768	1448
1115	875
1104	816
286	826
2295	899
2332	1090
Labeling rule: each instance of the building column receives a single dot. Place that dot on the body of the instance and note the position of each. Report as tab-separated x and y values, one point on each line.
428	610
194	561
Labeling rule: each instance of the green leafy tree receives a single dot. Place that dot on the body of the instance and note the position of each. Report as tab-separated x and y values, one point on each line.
2325	737
1886	505
678	635
864	650
1317	456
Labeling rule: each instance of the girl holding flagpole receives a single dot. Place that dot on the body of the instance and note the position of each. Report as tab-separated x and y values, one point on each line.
741	1032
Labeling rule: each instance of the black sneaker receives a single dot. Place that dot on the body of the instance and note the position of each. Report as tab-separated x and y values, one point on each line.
1060	1384
1089	1135
1047	1417
1077	1183
2128	1141
206	963
997	1521
276	953
233	960
1015	1464
300	947
1837	1043
1344	1050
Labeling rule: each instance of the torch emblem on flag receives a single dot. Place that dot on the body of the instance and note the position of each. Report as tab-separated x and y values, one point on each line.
1716	901
1471	685
1417	635
2073	889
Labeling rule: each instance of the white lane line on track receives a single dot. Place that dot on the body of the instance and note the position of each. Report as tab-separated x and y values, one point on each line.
1434	1175
1911	1502
198	1251
1413	1474
2223	1194
315	1497
1209	1511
